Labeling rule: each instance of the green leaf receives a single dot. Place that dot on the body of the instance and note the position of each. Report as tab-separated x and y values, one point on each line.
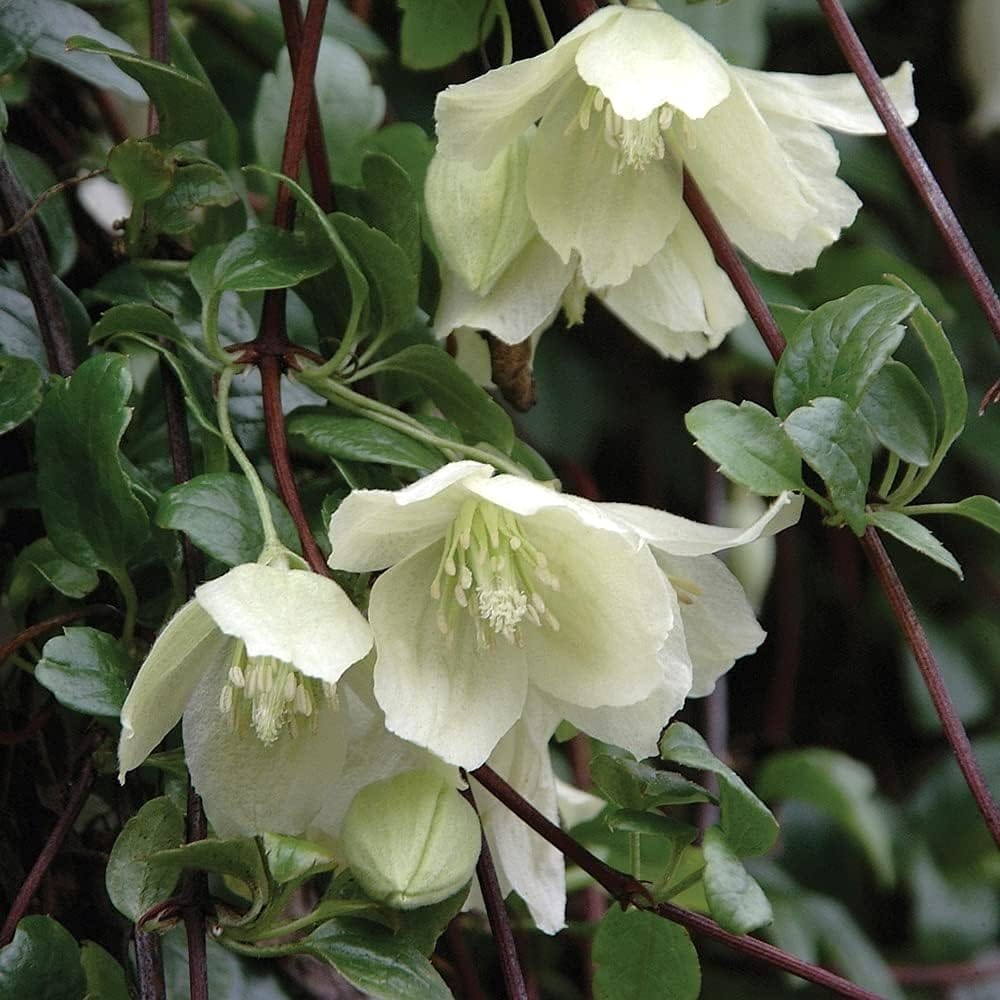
634	785
737	902
290	859
266	257
748	444
105	977
36	176
86	670
914	534
834	441
357	439
643	957
748	824
901	414
63	575
840	787
841	346
20	391
133	883
135	317
195	185
651	824
141	169
91	514
187	108
371	960
435	33
41	962
463	402
981	509
421	927
19	334
218	513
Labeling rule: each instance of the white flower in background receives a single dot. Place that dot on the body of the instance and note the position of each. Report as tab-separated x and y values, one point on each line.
251	664
622	103
979	47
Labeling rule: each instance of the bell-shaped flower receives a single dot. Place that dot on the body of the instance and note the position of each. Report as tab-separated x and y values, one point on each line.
251	663
496	586
630	97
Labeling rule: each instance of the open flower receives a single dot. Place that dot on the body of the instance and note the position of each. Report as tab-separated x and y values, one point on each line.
497	585
251	664
631	96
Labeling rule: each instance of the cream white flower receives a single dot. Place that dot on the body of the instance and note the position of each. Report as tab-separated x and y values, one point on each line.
630	96
251	664
979	45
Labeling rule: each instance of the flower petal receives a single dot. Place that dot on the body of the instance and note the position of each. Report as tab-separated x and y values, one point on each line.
475	120
442	692
681	302
189	646
295	615
646	59
615	221
250	787
838	102
373	529
679	536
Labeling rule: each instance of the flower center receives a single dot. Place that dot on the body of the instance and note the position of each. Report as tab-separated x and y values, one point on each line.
637	141
493	572
271	696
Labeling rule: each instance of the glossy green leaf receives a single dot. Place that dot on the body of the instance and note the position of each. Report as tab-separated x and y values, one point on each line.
748	444
436	32
463	402
266	257
141	168
635	785
292	858
644	957
842	788
914	534
187	108
373	961
195	185
358	439
748	824
833	440
737	902
87	671
422	927
651	823
42	962
218	513
20	391
841	346
405	142
981	509
901	414
135	317
105	977
91	513
63	575
19	334
133	883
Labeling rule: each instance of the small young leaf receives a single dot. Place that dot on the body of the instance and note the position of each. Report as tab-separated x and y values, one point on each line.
133	883
842	788
292	858
747	823
737	902
105	977
748	444
86	670
634	785
901	414
194	185
41	962
20	391
436	32
266	257
841	346
141	169
834	441
981	509
914	534
644	957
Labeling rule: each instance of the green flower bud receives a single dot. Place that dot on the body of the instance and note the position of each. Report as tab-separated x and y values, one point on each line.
411	840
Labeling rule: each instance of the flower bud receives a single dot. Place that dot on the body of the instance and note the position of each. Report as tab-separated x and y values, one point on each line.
411	840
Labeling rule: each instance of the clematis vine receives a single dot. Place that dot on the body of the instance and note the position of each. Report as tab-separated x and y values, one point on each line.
498	589
623	103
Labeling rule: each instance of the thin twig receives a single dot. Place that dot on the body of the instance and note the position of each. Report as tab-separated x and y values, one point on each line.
913	161
49	192
947	974
36	631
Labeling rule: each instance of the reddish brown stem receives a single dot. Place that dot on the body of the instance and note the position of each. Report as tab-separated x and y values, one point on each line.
36	631
953	729
949	974
913	161
149	966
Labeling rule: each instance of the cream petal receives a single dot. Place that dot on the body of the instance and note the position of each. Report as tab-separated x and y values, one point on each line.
838	102
443	692
373	529
575	805
613	612
523	302
678	536
295	615
681	302
719	624
646	59
475	120
189	646
614	221
250	787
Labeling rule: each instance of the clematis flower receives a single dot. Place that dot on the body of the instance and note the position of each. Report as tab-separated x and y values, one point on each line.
251	664
624	102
